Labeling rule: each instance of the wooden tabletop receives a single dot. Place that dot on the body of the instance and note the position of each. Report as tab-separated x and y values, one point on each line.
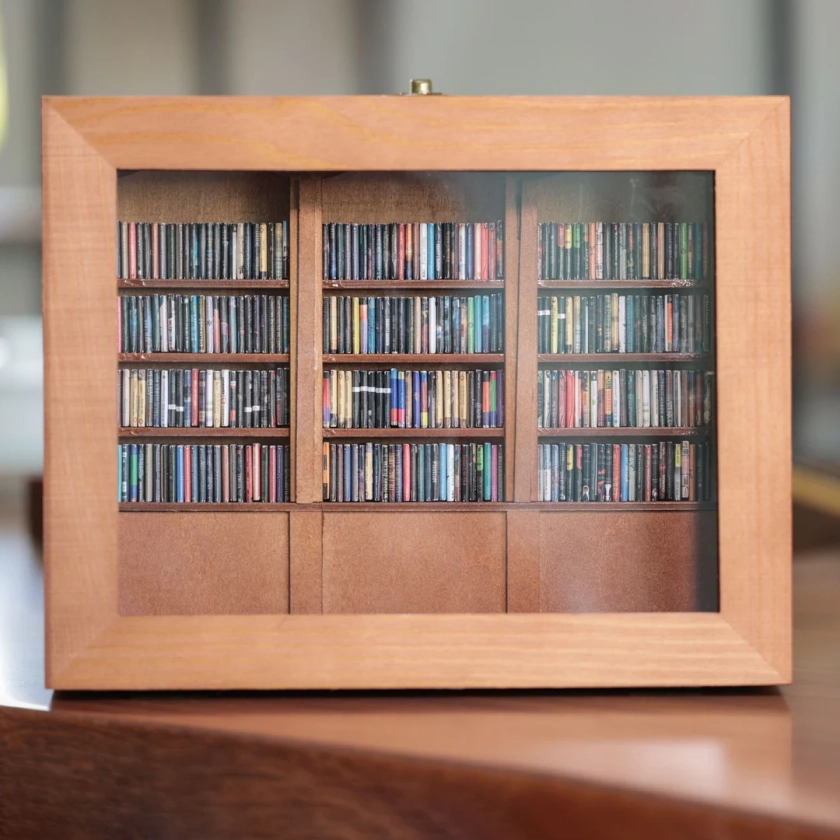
753	763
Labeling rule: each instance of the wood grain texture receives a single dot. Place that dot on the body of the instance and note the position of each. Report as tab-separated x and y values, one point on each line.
308	390
208	507
624	358
421	507
407	435
305	562
210	785
447	563
618	285
294	286
523	561
626	432
105	777
739	763
393	133
380	198
388	287
192	564
80	513
525	451
744	141
513	199
632	196
414	359
423	651
753	410
172	196
206	358
197	432
197	285
626	563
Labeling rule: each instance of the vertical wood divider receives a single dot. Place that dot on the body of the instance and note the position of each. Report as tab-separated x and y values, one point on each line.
294	209
525	448
511	244
307	356
306	562
523	561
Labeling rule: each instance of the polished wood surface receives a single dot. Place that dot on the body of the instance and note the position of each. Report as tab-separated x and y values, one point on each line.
754	334
87	142
79	207
340	133
759	763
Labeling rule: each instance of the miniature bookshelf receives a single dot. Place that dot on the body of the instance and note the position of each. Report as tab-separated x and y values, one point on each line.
473	570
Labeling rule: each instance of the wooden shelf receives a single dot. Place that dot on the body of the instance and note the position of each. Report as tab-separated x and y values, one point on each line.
413	433
205	507
577	507
424	359
389	285
429	507
200	431
621	358
618	285
192	283
206	358
625	432
397	507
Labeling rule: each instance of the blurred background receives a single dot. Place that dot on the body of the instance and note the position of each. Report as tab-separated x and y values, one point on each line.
178	47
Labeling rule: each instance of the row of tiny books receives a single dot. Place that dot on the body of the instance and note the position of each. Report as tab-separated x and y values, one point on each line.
413	399
620	323
400	324
197	397
203	250
414	251
413	472
624	251
184	473
624	398
176	323
624	472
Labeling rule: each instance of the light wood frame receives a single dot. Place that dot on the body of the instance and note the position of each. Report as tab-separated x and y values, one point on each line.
89	645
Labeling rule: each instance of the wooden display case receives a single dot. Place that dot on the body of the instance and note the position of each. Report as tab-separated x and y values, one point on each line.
518	592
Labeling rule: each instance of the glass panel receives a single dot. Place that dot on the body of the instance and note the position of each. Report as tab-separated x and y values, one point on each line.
488	343
625	389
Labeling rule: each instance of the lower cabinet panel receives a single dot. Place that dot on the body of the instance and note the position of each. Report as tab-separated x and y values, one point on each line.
616	562
414	563
194	563
203	564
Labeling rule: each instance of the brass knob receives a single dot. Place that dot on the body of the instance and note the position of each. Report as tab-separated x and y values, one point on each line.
421	87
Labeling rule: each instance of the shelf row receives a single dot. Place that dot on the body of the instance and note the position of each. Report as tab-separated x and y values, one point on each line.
384	285
407	433
418	358
400	507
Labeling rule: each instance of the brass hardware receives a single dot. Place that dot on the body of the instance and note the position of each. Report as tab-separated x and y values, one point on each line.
421	87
